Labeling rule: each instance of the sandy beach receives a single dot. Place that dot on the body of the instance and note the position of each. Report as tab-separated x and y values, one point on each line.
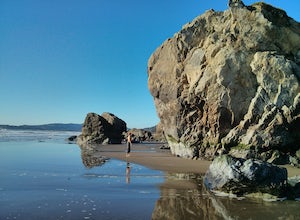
151	156
51	180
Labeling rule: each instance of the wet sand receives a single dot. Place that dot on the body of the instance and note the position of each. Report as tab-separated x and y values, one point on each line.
151	156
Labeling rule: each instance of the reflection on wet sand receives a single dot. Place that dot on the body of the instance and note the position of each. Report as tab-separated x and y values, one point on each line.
183	196
128	168
89	158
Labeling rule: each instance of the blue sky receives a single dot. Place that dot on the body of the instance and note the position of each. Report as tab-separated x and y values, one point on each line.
60	59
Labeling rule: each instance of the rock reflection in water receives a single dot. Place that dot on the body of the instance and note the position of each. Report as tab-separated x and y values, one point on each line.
183	196
89	159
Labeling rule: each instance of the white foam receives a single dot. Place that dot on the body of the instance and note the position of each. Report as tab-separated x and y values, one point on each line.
7	135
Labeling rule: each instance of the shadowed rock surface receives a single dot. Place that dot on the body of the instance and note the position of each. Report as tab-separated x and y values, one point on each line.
241	177
230	78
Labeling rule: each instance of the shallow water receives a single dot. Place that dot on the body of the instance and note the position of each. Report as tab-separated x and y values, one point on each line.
55	180
7	135
195	202
49	181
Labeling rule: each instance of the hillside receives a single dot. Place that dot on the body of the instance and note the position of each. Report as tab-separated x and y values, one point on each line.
48	127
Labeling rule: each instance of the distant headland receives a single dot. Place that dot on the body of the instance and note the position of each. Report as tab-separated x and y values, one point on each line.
45	127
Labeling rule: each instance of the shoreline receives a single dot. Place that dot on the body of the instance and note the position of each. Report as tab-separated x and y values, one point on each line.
151	156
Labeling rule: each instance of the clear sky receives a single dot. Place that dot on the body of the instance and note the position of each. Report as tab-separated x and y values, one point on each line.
60	59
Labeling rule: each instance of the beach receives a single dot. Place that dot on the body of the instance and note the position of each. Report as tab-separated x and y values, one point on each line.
47	178
151	156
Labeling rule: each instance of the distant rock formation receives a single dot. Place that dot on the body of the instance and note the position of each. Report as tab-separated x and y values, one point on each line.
104	129
140	135
159	133
147	134
45	127
227	79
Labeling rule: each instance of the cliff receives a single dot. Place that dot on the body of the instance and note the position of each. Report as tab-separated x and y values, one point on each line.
230	79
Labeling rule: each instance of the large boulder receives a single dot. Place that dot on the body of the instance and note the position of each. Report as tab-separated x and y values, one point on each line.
230	78
241	177
116	128
104	129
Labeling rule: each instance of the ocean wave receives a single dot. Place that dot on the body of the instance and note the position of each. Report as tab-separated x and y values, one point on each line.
7	135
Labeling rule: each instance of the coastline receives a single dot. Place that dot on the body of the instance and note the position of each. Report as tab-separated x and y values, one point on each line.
151	156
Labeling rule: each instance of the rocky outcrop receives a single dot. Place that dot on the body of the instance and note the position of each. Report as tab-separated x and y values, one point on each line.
140	135
104	129
241	177
230	78
251	178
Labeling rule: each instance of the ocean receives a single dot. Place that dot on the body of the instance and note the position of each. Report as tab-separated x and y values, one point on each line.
44	177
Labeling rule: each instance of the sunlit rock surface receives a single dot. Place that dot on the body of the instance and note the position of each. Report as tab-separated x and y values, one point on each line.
229	78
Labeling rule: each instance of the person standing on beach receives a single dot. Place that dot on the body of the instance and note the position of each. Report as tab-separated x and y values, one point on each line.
128	145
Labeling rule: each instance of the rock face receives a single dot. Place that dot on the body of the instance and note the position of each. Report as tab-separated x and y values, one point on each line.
140	135
230	78
240	176
159	133
104	129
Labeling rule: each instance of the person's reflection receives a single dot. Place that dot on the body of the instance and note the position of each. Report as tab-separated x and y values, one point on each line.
128	172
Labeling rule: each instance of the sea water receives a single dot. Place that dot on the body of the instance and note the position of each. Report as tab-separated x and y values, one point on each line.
43	177
46	179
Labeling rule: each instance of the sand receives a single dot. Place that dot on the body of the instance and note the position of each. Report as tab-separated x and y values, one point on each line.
151	156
